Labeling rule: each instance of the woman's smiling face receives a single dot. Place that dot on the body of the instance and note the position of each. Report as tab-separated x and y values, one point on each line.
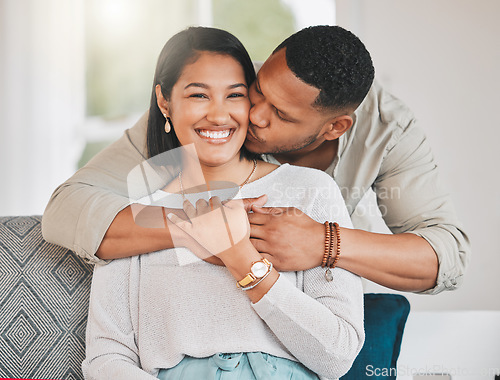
209	108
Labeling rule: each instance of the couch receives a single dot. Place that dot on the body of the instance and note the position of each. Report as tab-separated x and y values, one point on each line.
44	292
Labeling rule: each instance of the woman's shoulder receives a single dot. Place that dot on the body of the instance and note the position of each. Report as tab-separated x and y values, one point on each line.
305	176
293	178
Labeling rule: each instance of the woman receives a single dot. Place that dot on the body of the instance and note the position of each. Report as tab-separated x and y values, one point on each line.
170	315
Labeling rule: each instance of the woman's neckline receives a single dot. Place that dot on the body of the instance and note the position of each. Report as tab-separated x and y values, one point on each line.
248	185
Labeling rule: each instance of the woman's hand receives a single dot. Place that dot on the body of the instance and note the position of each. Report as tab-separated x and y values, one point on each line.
214	226
224	231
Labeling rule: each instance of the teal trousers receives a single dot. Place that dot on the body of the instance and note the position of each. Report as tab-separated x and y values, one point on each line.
240	366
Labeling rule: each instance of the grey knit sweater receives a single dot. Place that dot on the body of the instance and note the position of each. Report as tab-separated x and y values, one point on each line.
147	312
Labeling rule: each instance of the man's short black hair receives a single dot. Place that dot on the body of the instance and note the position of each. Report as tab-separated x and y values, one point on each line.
333	60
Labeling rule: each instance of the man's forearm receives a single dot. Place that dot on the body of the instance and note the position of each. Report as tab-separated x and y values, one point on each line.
403	262
293	241
129	236
141	229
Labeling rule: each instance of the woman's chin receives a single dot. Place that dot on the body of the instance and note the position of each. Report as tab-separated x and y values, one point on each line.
215	162
217	157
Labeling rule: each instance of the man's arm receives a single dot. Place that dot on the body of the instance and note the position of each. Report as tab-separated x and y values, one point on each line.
413	201
403	262
428	251
126	236
90	212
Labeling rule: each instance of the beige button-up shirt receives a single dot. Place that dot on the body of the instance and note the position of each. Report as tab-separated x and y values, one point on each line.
385	150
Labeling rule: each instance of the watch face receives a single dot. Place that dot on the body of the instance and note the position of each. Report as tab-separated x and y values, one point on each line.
259	269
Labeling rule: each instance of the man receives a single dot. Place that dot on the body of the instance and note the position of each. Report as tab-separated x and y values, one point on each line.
305	111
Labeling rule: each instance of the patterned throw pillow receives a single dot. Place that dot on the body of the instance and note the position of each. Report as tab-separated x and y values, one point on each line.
44	292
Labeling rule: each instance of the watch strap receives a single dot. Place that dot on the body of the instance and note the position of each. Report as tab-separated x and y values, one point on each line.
248	279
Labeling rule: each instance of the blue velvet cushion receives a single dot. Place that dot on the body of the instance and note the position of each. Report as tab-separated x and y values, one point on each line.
385	319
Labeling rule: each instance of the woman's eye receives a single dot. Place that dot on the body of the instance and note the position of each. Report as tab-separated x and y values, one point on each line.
201	96
237	95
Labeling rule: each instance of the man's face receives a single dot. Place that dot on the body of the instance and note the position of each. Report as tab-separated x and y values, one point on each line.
282	117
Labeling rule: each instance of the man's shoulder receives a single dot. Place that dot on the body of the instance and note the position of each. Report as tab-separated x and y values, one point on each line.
379	123
382	111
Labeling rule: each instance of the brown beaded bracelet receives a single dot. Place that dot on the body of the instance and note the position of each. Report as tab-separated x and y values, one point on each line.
333	238
328	244
337	244
333	244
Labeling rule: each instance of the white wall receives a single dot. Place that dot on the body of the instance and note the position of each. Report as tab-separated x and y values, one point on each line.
464	344
442	58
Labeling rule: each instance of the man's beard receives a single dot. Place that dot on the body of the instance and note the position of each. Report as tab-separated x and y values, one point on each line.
283	149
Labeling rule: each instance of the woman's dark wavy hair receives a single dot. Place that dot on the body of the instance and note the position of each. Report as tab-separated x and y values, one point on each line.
334	61
180	50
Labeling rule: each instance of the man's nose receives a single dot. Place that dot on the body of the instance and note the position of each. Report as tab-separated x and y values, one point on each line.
259	115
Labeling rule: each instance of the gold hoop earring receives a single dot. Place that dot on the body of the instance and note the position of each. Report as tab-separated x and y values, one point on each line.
168	125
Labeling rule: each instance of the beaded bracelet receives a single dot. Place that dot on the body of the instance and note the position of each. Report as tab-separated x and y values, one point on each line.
337	244
327	244
337	253
333	234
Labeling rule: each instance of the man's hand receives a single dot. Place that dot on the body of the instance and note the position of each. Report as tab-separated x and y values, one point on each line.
286	236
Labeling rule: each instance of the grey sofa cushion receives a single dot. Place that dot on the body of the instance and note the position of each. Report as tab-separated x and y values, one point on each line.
44	292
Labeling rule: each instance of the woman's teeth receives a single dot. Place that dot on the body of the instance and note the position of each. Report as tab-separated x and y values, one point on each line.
215	134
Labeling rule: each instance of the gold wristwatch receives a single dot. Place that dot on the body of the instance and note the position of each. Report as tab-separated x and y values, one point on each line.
258	269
